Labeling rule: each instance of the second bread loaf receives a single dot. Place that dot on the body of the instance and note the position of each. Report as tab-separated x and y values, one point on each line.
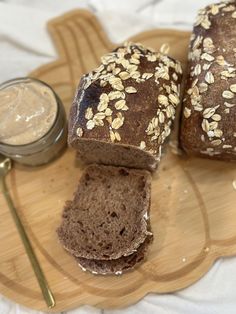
209	115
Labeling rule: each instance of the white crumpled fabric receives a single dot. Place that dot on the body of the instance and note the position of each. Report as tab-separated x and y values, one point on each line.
25	44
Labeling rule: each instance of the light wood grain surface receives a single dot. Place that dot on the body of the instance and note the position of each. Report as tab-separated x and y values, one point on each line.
193	201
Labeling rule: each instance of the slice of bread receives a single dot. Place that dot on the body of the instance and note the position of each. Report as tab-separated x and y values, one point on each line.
115	266
107	218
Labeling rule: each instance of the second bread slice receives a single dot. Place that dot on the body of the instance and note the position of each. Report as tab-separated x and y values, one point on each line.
116	266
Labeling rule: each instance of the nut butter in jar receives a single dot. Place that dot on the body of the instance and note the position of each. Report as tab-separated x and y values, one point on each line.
33	127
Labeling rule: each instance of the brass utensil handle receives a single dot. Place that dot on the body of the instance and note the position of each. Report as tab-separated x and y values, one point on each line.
47	294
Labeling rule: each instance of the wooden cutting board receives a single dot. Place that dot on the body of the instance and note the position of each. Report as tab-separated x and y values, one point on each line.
193	210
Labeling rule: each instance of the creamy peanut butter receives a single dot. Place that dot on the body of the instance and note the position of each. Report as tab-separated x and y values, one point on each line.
27	112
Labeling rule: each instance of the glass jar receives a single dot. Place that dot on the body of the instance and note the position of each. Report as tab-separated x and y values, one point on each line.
51	144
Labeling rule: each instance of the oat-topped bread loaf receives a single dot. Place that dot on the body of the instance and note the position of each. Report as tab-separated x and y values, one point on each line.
209	115
108	217
123	110
116	266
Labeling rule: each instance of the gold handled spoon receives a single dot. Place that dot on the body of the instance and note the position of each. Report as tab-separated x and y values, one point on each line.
5	167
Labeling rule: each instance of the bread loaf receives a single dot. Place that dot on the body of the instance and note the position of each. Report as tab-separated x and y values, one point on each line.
108	217
122	111
209	109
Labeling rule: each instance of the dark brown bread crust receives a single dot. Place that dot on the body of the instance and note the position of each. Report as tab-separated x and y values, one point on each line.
209	114
130	101
107	218
116	266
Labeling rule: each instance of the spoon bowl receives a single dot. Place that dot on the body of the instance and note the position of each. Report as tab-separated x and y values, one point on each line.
5	165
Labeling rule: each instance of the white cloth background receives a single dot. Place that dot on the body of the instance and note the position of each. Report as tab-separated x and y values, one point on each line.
25	44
